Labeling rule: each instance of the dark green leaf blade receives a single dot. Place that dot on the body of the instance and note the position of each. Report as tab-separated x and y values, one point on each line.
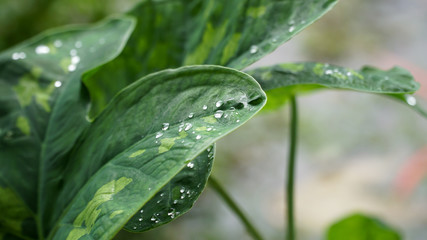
233	33
289	78
177	197
40	84
361	227
132	153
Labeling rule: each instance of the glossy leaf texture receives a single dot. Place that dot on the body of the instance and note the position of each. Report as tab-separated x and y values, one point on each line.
132	161
170	34
361	227
281	81
43	109
177	197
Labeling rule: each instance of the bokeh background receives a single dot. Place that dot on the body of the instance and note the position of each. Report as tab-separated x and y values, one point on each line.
357	152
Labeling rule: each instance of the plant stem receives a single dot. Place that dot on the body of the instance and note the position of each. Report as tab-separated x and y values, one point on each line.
235	208
290	235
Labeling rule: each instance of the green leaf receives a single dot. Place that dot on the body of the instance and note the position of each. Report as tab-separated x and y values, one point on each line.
233	33
132	156
280	81
43	109
361	227
177	197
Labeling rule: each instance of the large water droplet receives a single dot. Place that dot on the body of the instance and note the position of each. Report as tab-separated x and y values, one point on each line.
191	115
411	100
205	107
218	114
72	68
291	29
58	83
253	49
219	103
75	60
140	219
165	126
42	49
198	137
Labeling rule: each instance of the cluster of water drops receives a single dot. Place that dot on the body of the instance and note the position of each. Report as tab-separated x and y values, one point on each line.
197	132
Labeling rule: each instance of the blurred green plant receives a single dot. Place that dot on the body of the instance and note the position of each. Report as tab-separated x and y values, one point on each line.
361	227
98	133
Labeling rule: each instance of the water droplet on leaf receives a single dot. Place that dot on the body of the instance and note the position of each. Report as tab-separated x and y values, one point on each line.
188	126
57	43
72	68
411	100
253	49
42	49
78	44
190	165
159	134
218	114
75	60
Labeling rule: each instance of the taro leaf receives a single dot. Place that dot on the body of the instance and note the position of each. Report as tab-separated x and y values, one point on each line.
233	33
361	227
43	110
177	197
170	34
128	155
280	81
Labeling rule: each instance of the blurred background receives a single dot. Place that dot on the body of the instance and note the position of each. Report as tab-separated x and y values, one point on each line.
357	152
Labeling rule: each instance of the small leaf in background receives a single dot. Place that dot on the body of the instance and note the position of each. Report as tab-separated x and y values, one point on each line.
282	80
361	227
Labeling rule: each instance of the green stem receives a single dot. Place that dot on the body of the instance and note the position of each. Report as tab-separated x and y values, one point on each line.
235	208
290	235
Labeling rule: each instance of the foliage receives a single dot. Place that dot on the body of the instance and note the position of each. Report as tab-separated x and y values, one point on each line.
113	125
361	227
